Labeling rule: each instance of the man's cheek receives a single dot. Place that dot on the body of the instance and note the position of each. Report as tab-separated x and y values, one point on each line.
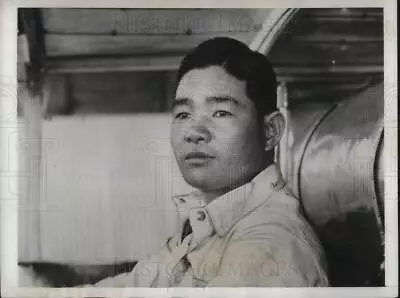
229	144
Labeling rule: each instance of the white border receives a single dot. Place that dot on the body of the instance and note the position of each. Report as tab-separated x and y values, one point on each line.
8	121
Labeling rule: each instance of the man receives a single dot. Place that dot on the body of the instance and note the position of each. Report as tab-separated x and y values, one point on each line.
242	227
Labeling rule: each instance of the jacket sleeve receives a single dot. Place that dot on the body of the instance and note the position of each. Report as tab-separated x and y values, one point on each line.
269	256
146	273
142	275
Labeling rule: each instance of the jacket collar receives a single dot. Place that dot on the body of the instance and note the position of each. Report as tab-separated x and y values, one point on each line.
229	208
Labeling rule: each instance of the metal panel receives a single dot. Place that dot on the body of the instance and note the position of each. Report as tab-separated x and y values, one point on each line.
301	122
152	21
71	45
337	187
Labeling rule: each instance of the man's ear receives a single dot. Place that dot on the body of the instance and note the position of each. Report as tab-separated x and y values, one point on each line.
274	125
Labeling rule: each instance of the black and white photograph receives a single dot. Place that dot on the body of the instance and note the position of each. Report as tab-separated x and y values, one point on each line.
201	148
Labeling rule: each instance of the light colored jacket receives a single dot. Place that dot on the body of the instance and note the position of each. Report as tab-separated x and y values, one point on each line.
253	236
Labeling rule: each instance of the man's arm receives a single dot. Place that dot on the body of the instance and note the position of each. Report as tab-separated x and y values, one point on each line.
148	272
143	275
261	258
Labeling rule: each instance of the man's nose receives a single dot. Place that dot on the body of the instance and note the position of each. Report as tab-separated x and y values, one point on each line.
198	132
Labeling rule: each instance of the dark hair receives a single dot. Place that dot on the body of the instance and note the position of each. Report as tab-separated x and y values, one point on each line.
241	62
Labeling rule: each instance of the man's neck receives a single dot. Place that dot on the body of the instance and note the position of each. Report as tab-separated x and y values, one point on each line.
211	194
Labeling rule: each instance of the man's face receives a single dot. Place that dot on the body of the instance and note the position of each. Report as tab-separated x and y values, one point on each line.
215	135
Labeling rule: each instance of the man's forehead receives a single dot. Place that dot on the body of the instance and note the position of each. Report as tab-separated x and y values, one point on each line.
209	82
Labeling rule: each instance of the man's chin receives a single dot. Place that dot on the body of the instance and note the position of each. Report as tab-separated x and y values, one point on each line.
200	179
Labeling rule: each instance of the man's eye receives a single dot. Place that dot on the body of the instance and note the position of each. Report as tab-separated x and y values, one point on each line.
222	114
182	115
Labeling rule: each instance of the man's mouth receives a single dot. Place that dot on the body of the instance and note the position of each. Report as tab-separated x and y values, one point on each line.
198	156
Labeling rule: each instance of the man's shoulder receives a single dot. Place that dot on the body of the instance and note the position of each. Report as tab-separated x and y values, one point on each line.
278	216
280	204
279	228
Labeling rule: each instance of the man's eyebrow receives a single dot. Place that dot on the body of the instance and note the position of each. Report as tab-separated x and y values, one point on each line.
180	102
225	99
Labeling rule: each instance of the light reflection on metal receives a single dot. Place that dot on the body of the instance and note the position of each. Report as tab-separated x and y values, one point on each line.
271	29
281	151
334	169
303	120
343	148
380	177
